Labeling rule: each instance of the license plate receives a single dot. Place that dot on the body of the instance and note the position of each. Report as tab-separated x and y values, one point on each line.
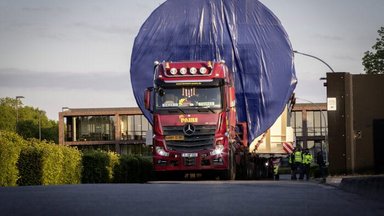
189	155
176	137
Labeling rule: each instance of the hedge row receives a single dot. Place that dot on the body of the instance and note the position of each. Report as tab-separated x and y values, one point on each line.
104	167
98	166
36	162
132	169
10	147
44	163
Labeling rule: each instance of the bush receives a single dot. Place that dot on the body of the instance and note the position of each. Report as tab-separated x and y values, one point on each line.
10	147
113	161
132	169
44	163
127	170
146	169
30	167
95	167
72	165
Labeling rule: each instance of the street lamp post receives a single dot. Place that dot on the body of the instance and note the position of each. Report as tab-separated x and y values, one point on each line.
333	71
305	54
325	84
39	125
17	111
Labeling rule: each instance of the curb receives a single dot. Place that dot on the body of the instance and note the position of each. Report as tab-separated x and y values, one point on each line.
368	186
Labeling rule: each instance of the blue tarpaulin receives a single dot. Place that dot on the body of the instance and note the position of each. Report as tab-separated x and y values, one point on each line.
244	33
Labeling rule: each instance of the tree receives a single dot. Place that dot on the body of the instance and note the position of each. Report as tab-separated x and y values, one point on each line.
373	61
8	114
29	122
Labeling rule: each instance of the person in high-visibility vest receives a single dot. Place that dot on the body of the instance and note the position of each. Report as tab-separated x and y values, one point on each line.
307	160
298	157
276	164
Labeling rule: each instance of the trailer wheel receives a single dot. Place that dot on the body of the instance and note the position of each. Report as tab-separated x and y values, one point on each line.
250	170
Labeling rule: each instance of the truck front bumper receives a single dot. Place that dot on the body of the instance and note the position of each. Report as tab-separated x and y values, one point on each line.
191	161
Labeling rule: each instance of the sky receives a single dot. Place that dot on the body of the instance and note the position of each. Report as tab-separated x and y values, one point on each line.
76	53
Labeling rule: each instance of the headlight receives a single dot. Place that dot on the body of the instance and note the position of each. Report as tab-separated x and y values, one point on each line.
203	70
160	151
218	150
193	70
173	71
183	71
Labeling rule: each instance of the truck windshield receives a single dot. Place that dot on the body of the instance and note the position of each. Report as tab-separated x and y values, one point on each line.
180	98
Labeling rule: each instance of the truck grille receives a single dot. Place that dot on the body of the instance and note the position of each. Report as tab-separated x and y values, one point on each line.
201	139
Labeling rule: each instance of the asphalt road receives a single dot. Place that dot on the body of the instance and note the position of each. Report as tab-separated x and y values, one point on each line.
187	198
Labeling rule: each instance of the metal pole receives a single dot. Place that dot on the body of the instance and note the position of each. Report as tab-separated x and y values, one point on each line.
40	125
17	112
305	54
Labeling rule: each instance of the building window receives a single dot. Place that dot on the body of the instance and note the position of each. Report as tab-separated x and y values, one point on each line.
133	127
316	123
299	143
297	122
90	128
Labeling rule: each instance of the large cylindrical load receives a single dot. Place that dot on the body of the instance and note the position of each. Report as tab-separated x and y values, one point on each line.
244	33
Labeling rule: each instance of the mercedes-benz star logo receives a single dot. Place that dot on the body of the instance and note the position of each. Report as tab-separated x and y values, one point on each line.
189	129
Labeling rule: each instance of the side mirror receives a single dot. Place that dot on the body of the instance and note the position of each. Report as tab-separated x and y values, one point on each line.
147	98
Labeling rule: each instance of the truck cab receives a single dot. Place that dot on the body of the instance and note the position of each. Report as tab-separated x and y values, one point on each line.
194	117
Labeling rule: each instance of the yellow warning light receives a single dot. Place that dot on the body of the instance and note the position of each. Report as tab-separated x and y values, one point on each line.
167	65
209	64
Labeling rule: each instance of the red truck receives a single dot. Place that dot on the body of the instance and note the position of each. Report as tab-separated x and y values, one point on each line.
194	117
203	110
194	120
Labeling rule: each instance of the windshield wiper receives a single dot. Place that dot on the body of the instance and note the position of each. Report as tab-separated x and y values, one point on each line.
176	110
206	107
181	110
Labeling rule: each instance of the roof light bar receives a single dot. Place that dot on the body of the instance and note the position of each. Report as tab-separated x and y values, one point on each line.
183	71
173	71
193	70
203	70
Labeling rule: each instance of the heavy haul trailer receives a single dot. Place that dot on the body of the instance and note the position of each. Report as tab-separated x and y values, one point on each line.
253	86
267	150
195	125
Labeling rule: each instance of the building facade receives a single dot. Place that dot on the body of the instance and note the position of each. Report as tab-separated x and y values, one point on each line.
122	130
310	125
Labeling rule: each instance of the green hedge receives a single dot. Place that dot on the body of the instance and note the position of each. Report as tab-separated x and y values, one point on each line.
35	162
132	169
72	165
113	161
98	166
10	147
30	166
44	163
105	167
146	169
